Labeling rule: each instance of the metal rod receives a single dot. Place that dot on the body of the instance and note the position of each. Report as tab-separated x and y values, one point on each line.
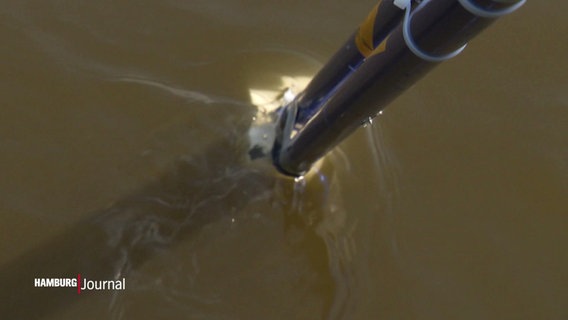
375	66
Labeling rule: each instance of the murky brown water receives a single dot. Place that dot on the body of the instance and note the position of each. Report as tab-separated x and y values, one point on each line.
122	130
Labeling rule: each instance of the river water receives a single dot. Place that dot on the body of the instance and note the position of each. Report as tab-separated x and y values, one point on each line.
123	137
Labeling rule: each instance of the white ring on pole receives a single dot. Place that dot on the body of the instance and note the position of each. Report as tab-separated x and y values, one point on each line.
485	13
411	44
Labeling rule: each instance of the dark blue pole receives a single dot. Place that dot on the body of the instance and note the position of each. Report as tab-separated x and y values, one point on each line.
377	64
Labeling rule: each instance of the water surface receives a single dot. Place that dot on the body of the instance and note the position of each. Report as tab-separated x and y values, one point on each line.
123	135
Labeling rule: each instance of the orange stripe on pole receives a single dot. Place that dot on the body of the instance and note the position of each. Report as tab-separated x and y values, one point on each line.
364	37
382	47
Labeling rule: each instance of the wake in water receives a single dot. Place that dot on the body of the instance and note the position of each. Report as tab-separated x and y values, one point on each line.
189	96
211	234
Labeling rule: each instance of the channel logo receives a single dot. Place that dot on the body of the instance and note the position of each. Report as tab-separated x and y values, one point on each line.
82	284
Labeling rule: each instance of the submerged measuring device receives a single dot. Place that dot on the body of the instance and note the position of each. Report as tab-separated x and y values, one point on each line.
397	44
